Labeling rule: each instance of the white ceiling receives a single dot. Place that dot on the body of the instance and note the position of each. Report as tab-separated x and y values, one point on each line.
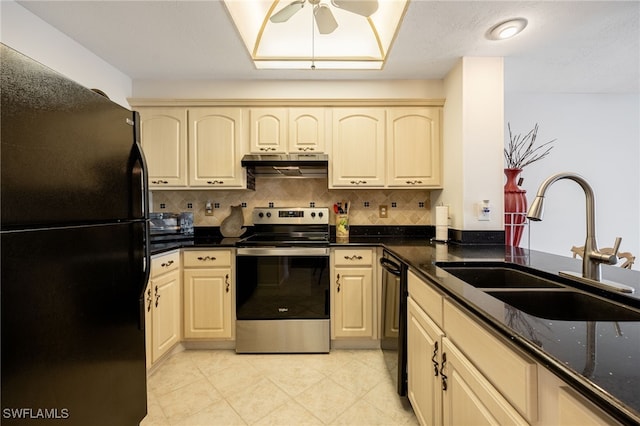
568	46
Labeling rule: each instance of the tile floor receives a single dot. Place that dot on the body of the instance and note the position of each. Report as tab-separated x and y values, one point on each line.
220	387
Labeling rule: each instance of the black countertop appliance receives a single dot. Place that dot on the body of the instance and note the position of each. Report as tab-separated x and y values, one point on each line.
74	234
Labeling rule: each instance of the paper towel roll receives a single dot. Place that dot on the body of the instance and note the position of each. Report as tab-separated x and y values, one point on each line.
442	215
442	233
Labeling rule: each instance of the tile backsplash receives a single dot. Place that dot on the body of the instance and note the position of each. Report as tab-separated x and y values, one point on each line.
405	207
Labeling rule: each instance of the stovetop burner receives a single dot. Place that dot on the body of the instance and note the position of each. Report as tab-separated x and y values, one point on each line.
289	226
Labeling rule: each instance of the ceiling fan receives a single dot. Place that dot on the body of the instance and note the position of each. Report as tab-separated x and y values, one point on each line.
325	21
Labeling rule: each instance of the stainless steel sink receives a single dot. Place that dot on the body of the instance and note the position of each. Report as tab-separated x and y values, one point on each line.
495	275
566	305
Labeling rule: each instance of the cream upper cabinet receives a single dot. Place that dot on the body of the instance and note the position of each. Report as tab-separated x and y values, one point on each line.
268	130
215	148
208	294
287	130
413	148
307	130
358	148
163	133
352	310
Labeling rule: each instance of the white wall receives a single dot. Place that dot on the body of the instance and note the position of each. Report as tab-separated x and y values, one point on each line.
598	136
30	35
473	138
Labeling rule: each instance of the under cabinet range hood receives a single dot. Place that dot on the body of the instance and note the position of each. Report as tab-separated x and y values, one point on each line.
286	165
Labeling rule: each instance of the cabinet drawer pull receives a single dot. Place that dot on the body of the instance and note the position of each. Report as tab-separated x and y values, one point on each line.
338	283
215	182
167	264
354	257
414	182
204	259
226	280
267	149
358	182
433	359
158	182
306	148
444	376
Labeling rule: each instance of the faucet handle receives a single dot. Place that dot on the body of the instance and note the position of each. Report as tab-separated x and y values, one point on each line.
616	246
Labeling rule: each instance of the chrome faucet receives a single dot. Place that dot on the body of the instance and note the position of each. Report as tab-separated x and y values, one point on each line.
592	257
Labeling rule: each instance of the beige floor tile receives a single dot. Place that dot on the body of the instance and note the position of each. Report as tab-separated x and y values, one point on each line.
326	400
290	413
218	413
220	387
255	402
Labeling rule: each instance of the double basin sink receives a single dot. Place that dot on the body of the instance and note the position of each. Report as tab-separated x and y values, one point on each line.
537	294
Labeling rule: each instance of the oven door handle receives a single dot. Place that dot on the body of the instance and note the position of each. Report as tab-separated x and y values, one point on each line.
282	251
391	266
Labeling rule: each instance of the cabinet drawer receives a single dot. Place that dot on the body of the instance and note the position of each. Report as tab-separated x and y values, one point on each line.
426	297
512	373
352	257
165	263
206	258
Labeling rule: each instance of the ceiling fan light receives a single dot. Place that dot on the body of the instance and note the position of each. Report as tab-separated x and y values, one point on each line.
506	29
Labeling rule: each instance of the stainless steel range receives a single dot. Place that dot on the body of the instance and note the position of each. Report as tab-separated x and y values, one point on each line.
282	282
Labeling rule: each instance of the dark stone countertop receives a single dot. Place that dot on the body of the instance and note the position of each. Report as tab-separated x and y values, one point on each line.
612	381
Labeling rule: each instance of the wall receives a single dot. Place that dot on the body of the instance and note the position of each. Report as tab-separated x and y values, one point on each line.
406	207
473	143
30	35
598	136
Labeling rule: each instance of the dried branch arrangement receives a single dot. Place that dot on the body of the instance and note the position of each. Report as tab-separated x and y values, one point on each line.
522	151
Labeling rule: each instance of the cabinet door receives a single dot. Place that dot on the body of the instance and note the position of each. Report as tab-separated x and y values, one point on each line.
215	147
413	147
166	313
307	130
208	299
163	134
424	348
353	302
468	398
358	147
268	130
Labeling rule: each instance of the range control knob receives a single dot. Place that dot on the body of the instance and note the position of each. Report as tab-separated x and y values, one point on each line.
260	215
268	214
320	214
313	214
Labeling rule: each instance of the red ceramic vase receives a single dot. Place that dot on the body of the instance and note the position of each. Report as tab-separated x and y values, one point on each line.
515	208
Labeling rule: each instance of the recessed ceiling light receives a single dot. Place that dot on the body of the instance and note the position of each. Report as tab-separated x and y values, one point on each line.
507	29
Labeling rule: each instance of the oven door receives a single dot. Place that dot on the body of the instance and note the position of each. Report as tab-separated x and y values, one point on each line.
282	299
282	283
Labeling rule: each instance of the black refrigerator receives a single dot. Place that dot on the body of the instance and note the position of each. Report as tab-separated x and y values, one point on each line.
73	244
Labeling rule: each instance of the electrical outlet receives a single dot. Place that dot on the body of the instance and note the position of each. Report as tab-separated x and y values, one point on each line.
383	210
208	209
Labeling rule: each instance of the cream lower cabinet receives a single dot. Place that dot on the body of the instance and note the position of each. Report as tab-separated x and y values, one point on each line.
352	294
460	374
163	307
208	294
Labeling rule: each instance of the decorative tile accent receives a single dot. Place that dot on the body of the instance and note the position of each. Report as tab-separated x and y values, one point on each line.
409	206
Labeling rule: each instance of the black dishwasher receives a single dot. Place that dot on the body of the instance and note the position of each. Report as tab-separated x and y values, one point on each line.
394	319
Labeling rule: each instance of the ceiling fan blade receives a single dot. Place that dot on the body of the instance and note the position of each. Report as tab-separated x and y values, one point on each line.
360	7
325	21
287	12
